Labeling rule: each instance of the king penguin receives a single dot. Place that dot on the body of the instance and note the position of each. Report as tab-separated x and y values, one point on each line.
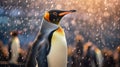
14	47
49	49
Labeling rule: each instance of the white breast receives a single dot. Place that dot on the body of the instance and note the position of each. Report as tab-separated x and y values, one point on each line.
58	53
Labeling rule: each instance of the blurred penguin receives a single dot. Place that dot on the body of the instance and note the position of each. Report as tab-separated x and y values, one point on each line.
14	47
92	55
108	58
78	51
116	56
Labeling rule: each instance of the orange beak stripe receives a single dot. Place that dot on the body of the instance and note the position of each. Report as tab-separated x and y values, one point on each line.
47	16
64	13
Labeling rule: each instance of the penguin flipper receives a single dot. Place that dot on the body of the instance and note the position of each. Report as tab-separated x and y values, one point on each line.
32	54
42	53
9	49
38	53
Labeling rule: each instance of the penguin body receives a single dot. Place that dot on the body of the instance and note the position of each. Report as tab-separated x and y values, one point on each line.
94	54
57	56
41	46
50	47
14	47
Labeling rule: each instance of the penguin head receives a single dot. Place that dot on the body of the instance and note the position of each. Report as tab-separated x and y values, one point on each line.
54	16
14	33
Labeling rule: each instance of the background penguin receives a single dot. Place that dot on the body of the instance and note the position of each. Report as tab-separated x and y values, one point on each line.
14	47
50	47
92	55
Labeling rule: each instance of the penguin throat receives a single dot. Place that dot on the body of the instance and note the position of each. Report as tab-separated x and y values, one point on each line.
57	23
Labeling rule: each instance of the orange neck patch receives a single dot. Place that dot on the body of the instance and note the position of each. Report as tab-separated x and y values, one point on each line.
60	30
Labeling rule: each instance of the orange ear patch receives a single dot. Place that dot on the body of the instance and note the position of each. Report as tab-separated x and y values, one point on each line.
47	16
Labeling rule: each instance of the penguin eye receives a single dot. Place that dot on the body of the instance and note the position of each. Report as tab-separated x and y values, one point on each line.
55	13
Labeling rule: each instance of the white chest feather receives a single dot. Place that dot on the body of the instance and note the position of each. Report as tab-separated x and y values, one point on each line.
58	53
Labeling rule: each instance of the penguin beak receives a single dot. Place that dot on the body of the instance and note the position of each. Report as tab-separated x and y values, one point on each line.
66	12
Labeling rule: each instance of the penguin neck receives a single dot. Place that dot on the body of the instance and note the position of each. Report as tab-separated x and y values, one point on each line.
48	27
14	37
